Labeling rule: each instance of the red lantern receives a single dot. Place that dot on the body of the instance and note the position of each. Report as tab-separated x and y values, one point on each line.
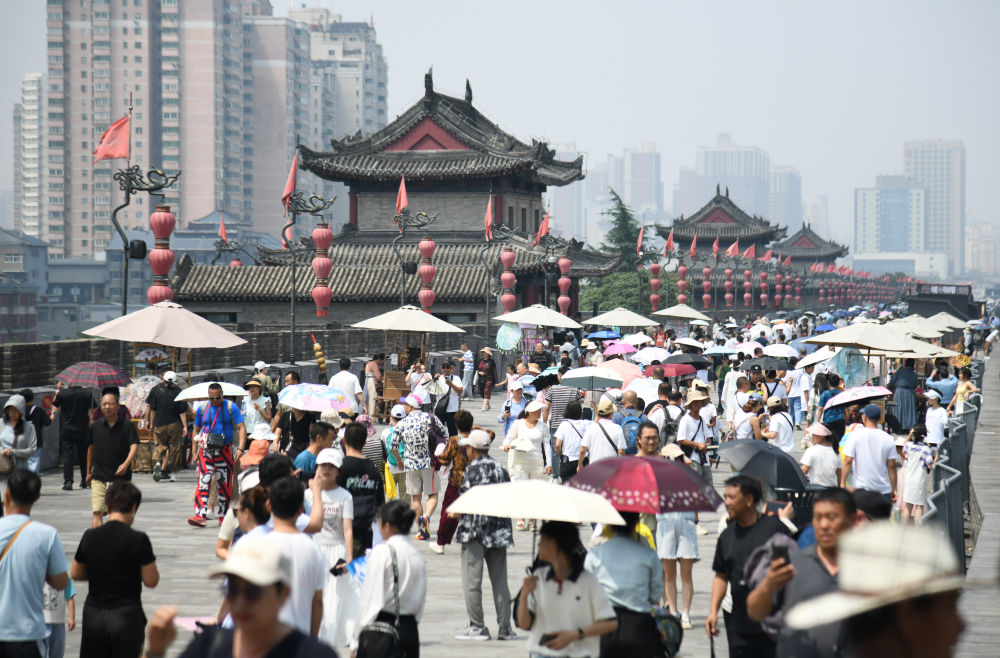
682	284
728	284
322	266
564	283
426	272
654	285
161	258
747	288
508	279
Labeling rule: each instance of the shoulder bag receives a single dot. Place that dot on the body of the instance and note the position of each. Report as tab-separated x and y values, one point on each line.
381	638
7	461
10	542
614	448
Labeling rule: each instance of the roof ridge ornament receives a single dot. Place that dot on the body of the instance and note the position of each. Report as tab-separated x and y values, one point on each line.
468	92
429	82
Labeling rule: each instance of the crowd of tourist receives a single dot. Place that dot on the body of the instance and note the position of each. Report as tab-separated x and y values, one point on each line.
316	511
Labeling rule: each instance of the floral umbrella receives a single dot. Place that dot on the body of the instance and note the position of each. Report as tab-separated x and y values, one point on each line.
647	485
313	397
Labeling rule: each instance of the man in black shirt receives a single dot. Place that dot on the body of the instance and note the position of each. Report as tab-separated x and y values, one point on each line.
117	561
111	446
291	431
360	478
74	405
37	417
168	420
747	530
542	357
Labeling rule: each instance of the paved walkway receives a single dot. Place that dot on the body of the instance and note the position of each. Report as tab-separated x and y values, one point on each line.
979	603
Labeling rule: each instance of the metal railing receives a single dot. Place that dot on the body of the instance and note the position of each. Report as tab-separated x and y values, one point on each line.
949	502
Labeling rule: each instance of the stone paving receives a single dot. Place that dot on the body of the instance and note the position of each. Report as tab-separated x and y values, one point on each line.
184	554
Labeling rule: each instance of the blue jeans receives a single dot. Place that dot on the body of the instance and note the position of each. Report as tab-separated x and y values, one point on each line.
55	640
34	461
795	409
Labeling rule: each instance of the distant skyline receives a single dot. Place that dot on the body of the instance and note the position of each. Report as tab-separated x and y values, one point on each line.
833	90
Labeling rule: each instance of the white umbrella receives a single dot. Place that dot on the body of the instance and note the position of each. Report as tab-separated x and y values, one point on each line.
948	319
200	391
537	499
684	312
637	339
166	323
621	317
690	342
408	318
819	356
539	315
917	327
646	388
592	378
863	337
700	323
781	351
650	354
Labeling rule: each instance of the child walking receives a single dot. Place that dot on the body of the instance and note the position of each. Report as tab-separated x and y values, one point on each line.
919	457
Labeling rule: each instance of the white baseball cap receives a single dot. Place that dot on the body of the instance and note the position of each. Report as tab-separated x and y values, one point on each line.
534	405
515	385
330	456
478	439
262	561
170	376
412	400
398	411
260	365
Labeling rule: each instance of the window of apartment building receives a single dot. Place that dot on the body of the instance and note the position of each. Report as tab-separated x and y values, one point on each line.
83	229
13	258
537	222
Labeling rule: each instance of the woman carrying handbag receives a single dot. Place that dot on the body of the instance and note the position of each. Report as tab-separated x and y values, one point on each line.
17	439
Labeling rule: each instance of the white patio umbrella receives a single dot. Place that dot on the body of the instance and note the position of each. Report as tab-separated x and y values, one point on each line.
863	337
200	391
539	315
646	388
819	356
781	351
621	317
637	339
916	326
684	312
690	342
166	323
537	499
947	318
408	318
650	354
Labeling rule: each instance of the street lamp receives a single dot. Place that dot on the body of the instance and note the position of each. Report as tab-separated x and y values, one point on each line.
299	204
405	220
501	234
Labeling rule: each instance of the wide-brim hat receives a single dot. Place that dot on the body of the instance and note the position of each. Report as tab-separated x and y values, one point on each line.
694	395
880	564
533	406
252	382
488	351
585	342
818	429
671	451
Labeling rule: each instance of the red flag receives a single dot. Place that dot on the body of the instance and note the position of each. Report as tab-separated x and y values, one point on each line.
115	141
668	249
831	268
489	219
543	230
694	247
222	229
715	249
751	251
638	243
401	200
734	249
766	256
286	195
788	261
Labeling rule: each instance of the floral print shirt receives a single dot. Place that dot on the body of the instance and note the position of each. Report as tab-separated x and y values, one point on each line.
490	531
414	431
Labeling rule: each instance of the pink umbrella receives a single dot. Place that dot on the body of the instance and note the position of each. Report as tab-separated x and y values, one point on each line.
747	347
628	371
857	395
620	348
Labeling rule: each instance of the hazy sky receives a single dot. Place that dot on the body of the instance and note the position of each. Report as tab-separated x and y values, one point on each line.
832	88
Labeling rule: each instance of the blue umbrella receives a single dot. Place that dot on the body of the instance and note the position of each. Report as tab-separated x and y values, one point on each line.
825	327
604	334
841	313
801	344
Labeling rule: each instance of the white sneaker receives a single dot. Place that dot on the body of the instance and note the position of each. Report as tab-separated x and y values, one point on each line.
437	548
685	621
700	529
474	634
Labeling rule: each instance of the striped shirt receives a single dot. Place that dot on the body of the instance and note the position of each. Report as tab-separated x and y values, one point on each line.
559	396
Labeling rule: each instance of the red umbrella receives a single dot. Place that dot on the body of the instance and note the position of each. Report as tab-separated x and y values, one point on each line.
648	485
671	370
93	374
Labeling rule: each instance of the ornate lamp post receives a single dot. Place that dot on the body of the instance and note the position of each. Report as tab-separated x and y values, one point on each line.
508	279
299	204
498	233
161	258
406	220
779	288
682	284
763	291
798	291
654	285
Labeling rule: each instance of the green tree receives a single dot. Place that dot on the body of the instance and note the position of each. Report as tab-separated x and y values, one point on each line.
621	239
622	289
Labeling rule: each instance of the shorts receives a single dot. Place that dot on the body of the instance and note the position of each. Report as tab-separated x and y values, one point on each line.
420	482
676	537
98	493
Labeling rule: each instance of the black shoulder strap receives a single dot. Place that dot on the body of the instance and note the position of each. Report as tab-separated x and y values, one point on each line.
608	437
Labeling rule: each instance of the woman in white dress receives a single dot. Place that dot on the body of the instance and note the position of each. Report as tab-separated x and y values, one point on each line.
529	452
335	540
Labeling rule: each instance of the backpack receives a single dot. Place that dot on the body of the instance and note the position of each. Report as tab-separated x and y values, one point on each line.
668	434
630	427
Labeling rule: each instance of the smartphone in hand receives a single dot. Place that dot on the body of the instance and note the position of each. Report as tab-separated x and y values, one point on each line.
779	553
545	639
339	568
774	506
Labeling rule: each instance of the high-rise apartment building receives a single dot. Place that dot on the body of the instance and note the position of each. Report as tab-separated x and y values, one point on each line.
28	140
890	217
744	170
566	202
785	202
816	214
982	251
643	183
939	165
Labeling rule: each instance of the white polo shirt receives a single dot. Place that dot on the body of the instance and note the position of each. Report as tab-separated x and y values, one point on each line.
597	444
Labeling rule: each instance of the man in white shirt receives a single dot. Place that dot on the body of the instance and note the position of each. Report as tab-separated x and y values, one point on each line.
468	367
936	418
604	438
694	434
871	455
793	385
454	394
347	383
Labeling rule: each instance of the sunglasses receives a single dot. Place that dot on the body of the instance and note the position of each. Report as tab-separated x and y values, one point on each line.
214	397
250	592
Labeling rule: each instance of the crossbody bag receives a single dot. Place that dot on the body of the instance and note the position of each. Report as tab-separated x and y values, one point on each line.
380	638
10	542
7	461
215	441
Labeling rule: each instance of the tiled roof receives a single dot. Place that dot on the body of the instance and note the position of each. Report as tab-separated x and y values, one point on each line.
491	151
9	237
365	271
738	224
806	243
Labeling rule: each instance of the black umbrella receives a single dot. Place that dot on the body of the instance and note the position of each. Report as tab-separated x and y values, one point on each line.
696	360
767	363
771	464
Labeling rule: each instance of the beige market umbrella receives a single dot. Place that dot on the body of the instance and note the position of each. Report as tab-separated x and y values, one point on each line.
537	499
863	337
408	318
819	356
167	323
541	316
684	312
948	319
917	326
621	317
918	349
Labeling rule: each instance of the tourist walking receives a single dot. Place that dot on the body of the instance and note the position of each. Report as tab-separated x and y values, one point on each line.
40	420
935	418
321	436
116	561
965	388
217	425
31	555
560	601
291	430
918	458
74	404
373	377
487	371
468	361
168	420
631	575
903	384
415	432
347	383
395	587
453	460
484	540
454	393
604	438
833	418
17	436
821	465
677	543
513	407
111	446
569	437
358	476
870	454
256	408
336	542
394	452
60	616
